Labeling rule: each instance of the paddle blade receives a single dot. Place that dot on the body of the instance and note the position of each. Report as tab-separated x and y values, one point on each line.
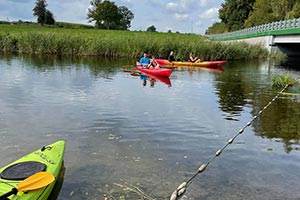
127	66
36	181
134	74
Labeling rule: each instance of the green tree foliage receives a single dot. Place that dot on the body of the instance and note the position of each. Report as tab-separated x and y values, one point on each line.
40	11
266	11
295	12
49	19
127	16
44	16
262	13
107	15
94	12
151	28
234	13
281	7
239	14
217	27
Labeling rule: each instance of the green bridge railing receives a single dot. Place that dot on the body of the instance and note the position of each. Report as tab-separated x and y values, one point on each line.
285	27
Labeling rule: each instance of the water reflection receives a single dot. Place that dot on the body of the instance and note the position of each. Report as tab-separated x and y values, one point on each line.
150	79
281	123
117	131
232	95
237	91
199	69
233	88
97	66
291	63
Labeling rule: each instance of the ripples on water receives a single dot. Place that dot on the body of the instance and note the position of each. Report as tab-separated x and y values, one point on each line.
118	130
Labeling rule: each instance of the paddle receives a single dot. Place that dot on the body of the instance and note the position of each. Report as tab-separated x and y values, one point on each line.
135	74
34	182
127	66
133	71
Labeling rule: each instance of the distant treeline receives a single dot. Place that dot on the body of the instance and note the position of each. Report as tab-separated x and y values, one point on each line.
236	15
112	43
73	25
6	22
56	24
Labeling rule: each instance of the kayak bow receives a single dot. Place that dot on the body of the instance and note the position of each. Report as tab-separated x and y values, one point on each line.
48	159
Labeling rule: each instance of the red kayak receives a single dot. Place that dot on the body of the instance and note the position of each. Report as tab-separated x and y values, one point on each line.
208	64
156	71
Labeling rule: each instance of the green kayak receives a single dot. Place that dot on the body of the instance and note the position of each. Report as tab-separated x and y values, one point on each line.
49	159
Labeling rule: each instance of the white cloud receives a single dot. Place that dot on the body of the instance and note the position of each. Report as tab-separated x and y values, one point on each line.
20	1
14	10
127	3
185	4
204	2
69	11
181	6
181	17
168	29
211	13
172	6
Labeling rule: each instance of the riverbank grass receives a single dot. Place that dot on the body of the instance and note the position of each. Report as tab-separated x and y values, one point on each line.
34	39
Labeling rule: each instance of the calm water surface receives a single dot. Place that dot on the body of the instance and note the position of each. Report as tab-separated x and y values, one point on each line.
120	132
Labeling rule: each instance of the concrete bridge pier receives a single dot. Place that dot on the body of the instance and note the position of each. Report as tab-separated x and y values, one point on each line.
288	44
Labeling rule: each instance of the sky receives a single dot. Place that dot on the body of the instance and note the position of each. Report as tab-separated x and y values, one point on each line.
184	16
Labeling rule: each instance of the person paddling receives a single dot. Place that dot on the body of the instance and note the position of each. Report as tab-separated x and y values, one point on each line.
153	64
171	57
145	60
194	59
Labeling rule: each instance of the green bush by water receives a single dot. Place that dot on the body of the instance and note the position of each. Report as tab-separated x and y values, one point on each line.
283	80
35	39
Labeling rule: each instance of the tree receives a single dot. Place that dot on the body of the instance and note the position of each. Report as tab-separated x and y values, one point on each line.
238	14
108	15
40	11
49	19
127	16
281	7
266	11
234	13
262	13
44	16
217	27
295	12
151	29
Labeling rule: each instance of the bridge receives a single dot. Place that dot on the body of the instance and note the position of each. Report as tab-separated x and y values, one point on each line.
281	35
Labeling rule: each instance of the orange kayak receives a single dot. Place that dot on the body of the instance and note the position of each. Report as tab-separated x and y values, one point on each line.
208	64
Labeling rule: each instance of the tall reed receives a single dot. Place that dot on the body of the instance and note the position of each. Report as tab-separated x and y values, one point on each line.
58	41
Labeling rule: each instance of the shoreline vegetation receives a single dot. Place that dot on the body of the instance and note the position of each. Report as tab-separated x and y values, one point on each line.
35	39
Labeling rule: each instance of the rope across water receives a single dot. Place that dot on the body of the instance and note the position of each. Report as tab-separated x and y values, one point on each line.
183	186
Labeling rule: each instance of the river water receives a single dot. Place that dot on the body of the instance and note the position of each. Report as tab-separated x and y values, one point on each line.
126	133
